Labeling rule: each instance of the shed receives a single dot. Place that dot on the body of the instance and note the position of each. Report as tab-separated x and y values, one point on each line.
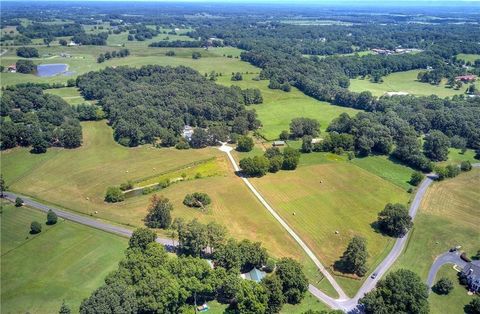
278	143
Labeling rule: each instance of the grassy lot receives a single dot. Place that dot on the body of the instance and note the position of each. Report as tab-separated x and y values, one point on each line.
279	107
382	166
346	200
83	59
69	94
468	57
449	215
454	302
404	82
455	156
69	262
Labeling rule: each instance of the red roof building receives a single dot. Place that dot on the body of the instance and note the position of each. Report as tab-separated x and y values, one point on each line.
466	78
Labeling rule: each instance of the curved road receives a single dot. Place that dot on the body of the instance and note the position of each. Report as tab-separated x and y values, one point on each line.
445	258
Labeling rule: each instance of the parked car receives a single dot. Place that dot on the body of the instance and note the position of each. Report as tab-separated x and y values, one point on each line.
374	275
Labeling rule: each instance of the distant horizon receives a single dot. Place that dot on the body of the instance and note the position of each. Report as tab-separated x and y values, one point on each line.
292	2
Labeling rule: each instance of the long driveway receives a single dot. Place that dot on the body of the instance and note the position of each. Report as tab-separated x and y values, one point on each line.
81	219
445	258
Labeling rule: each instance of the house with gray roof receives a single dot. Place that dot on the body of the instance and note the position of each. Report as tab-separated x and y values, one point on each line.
471	272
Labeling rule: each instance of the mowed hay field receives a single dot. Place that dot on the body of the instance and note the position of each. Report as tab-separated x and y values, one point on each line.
279	108
319	200
77	180
449	216
66	261
404	82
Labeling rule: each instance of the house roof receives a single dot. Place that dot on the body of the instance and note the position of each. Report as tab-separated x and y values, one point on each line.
472	271
466	77
278	142
255	275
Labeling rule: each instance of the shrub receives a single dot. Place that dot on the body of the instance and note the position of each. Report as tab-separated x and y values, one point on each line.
159	213
114	195
245	143
284	135
18	202
27	52
416	178
170	53
51	217
443	286
165	183
197	200
35	227
466	166
256	166
126	186
196	55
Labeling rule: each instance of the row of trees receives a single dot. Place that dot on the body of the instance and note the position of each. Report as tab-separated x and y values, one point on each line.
164	100
113	54
272	161
38	120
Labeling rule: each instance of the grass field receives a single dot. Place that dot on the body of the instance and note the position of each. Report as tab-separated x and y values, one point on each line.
279	107
346	200
404	82
66	261
454	302
83	59
468	57
69	94
449	215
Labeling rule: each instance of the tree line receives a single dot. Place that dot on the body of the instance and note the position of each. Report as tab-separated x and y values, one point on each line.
113	54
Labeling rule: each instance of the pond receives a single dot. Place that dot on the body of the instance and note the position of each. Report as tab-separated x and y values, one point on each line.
46	70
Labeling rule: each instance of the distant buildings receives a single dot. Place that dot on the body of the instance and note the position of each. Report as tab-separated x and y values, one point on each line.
187	132
466	78
12	68
278	143
255	275
72	43
398	51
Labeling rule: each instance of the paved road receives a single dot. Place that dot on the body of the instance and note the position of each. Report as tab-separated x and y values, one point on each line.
227	149
84	220
445	258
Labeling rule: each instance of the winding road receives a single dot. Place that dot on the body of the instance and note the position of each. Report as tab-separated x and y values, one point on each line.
343	302
445	258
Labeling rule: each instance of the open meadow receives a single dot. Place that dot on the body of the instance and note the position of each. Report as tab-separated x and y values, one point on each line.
279	107
66	261
328	204
404	82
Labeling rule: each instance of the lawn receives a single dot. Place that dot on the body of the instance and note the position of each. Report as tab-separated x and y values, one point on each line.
320	200
382	166
66	261
404	82
69	94
449	216
455	156
454	302
279	107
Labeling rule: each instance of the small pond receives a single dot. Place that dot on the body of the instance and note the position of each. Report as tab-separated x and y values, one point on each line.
46	70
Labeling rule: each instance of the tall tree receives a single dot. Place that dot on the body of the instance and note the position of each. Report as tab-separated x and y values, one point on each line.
354	259
401	291
394	220
436	145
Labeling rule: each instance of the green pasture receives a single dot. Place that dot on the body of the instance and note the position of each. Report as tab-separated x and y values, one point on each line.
468	57
404	82
279	107
70	94
319	200
66	261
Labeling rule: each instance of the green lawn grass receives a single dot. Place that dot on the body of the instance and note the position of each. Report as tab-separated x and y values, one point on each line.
69	94
449	216
396	173
279	108
319	200
404	82
454	302
66	261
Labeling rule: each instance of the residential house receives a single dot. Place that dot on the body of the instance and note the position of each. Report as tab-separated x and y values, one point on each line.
471	272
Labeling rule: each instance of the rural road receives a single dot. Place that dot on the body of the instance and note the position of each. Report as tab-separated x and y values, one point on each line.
91	222
445	258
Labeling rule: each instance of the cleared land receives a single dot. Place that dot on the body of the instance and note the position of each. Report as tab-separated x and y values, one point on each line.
468	57
404	82
70	261
449	216
319	200
279	107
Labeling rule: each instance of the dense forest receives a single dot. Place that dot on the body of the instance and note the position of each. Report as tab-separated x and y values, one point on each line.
32	118
155	102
